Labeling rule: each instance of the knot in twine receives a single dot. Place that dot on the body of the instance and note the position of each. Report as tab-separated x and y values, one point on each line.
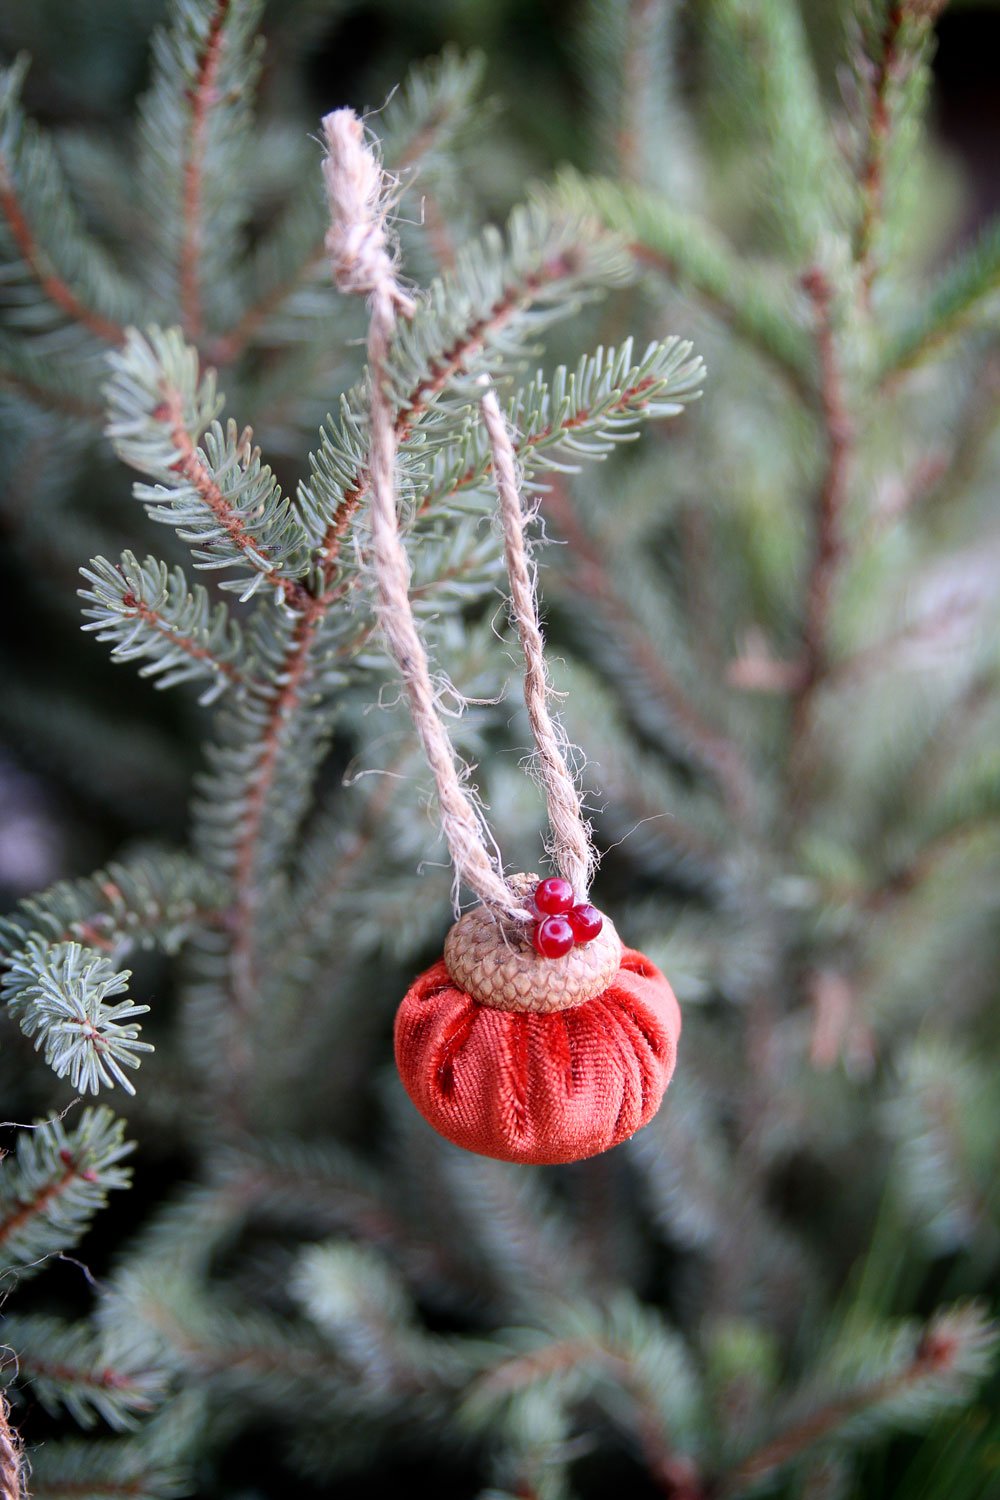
356	241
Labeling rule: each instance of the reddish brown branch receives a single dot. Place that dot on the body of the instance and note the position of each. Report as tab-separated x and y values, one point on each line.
105	1379
73	1489
890	66
935	1353
58	291
832	498
628	401
138	609
32	1207
879	125
193	468
54	400
202	98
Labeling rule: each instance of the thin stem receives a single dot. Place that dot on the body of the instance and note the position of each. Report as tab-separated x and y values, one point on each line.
193	468
23	1212
629	400
138	609
203	97
229	346
832	498
879	125
932	1355
58	291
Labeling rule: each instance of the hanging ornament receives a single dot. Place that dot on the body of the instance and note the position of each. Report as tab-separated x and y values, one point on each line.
537	1037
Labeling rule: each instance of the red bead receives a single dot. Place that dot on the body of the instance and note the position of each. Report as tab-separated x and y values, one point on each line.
586	922
553	937
554	896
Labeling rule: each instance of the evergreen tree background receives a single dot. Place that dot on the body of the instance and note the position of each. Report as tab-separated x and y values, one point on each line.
775	617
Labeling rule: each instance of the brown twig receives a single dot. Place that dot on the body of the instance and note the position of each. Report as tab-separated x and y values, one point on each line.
891	63
193	468
30	1208
832	498
58	291
55	400
203	96
138	609
105	1379
629	400
932	1354
879	124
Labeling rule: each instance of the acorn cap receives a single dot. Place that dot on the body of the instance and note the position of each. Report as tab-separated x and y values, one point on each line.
494	961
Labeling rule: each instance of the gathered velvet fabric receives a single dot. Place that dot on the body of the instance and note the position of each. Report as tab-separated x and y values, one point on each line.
539	1088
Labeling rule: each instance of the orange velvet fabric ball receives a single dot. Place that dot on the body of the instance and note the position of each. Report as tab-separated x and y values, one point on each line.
539	1088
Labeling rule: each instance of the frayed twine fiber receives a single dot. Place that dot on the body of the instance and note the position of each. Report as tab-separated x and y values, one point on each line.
11	1459
572	848
364	265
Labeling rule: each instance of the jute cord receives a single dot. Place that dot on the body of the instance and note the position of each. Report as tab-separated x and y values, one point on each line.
362	264
11	1459
572	849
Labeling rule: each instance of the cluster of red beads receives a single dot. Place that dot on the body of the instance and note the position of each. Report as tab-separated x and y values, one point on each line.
562	920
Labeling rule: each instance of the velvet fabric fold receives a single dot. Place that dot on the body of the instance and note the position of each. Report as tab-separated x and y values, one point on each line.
551	1088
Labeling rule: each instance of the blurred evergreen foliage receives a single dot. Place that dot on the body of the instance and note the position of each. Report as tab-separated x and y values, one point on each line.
775	616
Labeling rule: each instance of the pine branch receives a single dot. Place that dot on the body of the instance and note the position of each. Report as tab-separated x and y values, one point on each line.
68	1368
196	138
928	1371
900	48
582	414
948	307
150	613
946	1143
60	993
691	253
47	385
117	1469
219	496
764	61
56	257
203	97
58	1180
287	261
150	898
830	503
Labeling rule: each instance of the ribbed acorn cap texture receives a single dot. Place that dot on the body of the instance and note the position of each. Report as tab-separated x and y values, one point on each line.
495	962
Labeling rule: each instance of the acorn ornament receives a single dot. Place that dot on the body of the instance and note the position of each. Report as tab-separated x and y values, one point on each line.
536	1037
528	1058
